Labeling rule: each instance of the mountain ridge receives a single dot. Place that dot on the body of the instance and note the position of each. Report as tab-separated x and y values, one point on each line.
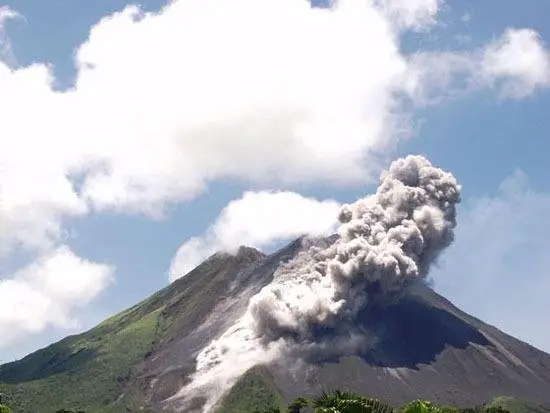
139	358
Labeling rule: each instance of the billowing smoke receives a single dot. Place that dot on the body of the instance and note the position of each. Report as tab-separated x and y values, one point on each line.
387	241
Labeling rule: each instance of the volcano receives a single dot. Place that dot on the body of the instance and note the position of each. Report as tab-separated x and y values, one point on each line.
351	311
422	347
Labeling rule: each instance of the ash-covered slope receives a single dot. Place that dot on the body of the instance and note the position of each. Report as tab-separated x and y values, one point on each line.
349	312
421	346
424	347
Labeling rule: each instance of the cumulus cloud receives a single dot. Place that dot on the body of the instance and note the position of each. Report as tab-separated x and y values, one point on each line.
516	64
46	292
166	102
387	241
500	260
258	219
202	90
232	97
519	60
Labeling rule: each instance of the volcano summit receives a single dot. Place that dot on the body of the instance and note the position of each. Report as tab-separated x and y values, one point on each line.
350	311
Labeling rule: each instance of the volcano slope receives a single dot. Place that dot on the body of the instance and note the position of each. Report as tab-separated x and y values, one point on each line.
422	347
351	312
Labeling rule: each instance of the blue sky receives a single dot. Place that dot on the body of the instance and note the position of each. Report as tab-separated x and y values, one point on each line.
110	240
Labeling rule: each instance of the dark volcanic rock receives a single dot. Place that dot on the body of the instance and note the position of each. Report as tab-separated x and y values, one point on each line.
427	348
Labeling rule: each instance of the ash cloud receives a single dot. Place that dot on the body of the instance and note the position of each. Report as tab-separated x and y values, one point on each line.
387	241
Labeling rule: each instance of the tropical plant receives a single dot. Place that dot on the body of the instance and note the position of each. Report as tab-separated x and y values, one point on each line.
421	406
346	402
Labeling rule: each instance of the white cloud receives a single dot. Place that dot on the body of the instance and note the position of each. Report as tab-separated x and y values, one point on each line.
32	203
258	219
519	60
6	53
46	292
269	91
6	13
517	64
203	90
498	268
411	14
231	95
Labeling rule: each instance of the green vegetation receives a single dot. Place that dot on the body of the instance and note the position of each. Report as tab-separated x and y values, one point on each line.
3	407
70	411
514	406
346	402
339	401
94	371
81	372
255	391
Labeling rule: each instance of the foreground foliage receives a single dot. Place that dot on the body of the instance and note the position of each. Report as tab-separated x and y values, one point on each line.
347	402
256	392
